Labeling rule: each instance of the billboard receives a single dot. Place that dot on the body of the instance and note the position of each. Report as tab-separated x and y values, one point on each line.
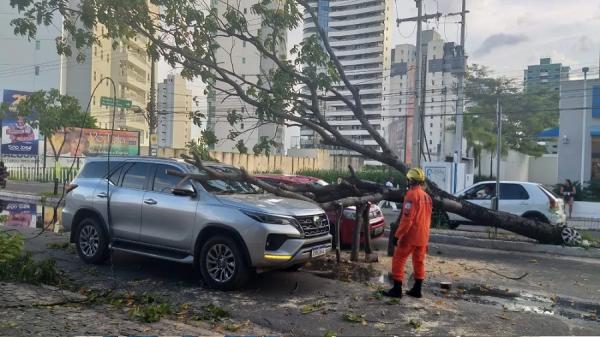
19	214
19	138
81	142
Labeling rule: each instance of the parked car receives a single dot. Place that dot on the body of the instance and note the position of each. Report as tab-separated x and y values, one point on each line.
226	229
348	219
529	200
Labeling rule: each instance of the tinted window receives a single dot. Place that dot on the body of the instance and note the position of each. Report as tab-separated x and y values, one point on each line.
513	192
98	169
164	182
135	177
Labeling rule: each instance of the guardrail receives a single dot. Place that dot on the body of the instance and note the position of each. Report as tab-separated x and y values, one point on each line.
41	174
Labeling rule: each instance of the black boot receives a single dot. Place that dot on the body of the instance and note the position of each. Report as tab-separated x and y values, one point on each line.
396	291
416	289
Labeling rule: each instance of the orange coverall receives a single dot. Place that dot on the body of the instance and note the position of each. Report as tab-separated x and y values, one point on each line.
412	233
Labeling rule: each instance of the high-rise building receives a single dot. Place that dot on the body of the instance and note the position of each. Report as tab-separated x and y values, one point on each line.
129	66
28	65
441	62
546	74
247	63
173	108
360	35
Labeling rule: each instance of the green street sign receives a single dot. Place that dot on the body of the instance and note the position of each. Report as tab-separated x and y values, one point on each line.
121	103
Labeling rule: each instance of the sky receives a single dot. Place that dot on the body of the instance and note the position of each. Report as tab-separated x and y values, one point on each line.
508	35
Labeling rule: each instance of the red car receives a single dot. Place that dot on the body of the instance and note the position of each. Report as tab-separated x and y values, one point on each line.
376	220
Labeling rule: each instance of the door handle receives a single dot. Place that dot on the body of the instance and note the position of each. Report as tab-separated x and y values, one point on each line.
150	202
102	195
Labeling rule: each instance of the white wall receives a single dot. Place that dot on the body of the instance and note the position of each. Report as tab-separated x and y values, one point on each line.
544	169
514	166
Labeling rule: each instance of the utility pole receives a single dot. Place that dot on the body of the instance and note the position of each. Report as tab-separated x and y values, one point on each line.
584	133
460	106
152	121
417	113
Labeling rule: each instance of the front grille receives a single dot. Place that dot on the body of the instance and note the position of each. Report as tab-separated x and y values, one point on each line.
314	225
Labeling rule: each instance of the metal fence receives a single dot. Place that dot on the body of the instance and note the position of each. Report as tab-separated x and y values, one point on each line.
41	174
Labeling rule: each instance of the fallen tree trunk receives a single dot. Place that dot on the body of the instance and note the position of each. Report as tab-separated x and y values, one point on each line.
352	191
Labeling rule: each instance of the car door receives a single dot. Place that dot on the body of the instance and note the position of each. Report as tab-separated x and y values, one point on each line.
514	199
126	201
167	219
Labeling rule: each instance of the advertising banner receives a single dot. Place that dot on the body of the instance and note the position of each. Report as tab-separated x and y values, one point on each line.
80	143
18	137
19	214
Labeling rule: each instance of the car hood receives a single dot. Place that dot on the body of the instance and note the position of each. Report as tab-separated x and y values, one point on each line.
270	203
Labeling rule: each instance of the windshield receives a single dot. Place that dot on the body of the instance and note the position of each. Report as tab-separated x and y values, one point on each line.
218	186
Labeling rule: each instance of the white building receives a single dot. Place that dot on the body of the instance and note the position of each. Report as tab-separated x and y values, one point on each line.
174	107
441	62
28	65
245	61
360	35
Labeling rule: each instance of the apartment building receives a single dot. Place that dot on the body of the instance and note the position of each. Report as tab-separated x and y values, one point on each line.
174	108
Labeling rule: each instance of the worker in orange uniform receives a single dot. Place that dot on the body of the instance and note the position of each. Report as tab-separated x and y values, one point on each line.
412	235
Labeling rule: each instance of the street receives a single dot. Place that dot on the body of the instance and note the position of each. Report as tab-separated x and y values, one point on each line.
558	296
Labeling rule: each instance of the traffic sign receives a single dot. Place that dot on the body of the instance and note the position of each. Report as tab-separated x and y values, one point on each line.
121	103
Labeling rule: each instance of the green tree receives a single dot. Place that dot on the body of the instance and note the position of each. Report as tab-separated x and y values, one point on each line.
296	90
525	113
54	114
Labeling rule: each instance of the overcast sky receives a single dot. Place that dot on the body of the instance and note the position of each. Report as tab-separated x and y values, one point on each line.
508	35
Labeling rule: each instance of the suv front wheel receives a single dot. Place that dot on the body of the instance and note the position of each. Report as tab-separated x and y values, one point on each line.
222	264
91	241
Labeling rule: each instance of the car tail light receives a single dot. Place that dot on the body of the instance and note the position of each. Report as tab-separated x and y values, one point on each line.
552	201
70	187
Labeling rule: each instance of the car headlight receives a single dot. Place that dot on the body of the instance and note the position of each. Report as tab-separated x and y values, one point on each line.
349	214
273	219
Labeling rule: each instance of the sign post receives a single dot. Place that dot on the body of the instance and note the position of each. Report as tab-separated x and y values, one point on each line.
120	103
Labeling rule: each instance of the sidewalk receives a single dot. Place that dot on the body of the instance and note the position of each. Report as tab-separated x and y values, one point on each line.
28	191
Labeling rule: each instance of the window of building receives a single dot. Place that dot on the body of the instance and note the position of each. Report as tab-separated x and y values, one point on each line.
37	70
243	60
242	126
95	51
37	44
244	44
95	75
245	10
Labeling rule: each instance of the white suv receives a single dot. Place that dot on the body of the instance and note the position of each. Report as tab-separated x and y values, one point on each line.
529	200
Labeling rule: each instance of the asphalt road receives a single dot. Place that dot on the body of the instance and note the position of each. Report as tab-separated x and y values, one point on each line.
557	297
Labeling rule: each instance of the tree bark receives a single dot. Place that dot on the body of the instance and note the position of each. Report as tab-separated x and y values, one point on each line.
358	224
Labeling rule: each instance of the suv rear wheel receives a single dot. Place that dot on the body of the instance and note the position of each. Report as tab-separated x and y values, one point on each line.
222	263
91	241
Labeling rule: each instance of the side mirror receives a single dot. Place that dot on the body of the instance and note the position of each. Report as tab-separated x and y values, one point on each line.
184	191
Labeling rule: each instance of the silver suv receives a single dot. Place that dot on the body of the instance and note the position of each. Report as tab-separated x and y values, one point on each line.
226	229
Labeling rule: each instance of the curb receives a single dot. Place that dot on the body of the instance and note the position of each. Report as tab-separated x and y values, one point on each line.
28	197
526	247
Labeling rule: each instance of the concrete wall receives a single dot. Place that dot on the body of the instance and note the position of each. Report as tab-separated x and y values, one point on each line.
514	166
544	169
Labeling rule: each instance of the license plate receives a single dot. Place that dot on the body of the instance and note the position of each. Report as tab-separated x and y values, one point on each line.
318	251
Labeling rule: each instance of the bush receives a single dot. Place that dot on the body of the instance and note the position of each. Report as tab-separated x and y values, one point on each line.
376	174
18	266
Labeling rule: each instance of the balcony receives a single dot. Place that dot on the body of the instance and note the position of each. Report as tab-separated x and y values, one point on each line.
378	59
354	21
131	78
348	32
352	42
136	59
378	8
359	51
